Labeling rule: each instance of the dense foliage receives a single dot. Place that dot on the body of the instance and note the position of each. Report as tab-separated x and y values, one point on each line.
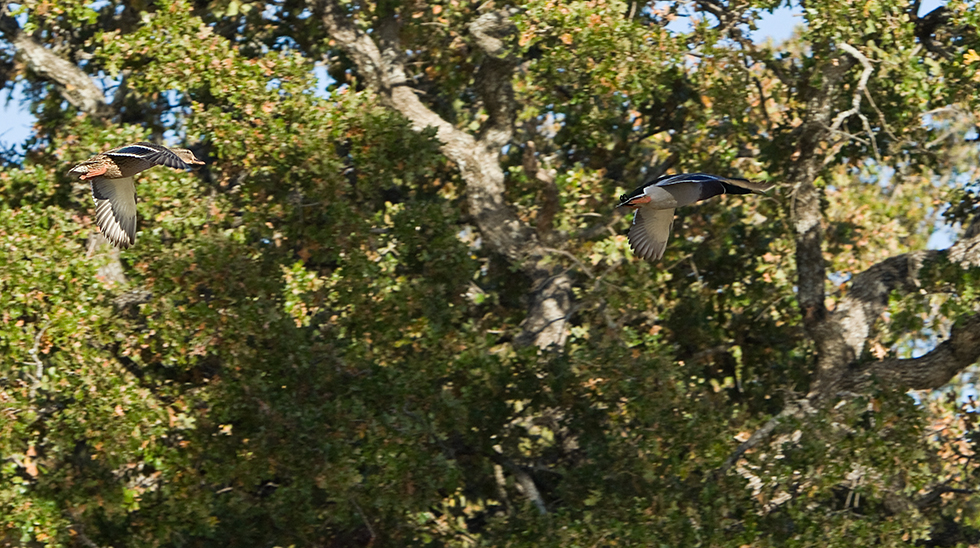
313	342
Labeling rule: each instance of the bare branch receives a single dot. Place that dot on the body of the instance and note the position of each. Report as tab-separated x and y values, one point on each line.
493	77
862	85
797	409
859	92
477	159
927	372
73	83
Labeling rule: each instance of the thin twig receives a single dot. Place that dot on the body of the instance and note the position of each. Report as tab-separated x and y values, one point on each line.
860	92
530	489
881	116
39	371
363	517
679	261
581	265
795	409
600	229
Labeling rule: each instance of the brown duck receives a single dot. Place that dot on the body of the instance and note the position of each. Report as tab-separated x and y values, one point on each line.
111	174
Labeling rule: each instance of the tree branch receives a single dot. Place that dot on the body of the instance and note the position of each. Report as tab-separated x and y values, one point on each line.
385	73
364	518
526	482
797	409
855	316
840	337
926	27
934	495
927	372
859	92
72	83
728	24
808	217
79	89
868	295
493	77
477	159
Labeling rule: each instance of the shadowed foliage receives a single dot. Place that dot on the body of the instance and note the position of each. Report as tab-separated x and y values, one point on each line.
397	307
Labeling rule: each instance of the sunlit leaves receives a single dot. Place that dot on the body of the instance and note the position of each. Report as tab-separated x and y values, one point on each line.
314	345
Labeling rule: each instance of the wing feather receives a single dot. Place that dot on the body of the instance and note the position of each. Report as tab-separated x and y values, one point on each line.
711	185
753	186
149	152
650	231
707	178
115	209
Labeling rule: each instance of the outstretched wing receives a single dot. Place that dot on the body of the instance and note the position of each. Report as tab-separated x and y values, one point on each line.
650	231
115	209
150	153
709	185
713	185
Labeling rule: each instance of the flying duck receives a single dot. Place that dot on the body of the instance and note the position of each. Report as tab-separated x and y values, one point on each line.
111	174
655	201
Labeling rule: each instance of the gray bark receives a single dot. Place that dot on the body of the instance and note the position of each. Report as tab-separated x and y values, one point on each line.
477	157
840	337
71	81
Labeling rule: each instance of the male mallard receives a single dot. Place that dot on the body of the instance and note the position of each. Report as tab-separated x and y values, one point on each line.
114	190
655	201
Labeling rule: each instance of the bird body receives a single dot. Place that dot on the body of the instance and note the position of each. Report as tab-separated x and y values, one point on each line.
656	200
114	189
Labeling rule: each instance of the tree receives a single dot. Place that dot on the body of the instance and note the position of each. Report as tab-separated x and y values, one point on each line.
402	310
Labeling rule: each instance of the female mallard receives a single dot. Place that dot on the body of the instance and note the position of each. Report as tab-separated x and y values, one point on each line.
655	201
114	190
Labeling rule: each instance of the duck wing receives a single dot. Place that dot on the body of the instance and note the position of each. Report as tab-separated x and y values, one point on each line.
115	209
715	185
148	154
650	231
708	186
